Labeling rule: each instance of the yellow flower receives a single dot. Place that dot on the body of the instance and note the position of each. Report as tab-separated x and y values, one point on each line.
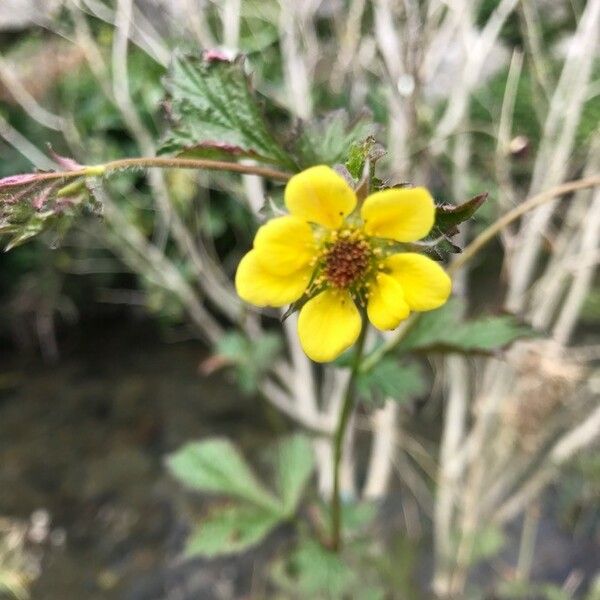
341	258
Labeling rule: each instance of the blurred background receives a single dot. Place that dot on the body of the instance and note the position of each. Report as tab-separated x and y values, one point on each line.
103	330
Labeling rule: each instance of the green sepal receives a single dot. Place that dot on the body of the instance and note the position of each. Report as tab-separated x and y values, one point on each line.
449	216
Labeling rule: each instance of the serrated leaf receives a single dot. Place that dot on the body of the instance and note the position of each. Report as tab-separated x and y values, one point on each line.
390	379
216	466
449	216
214	112
445	330
230	529
295	464
328	139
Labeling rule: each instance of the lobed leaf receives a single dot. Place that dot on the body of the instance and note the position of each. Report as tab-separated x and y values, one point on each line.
214	112
216	466
231	529
449	216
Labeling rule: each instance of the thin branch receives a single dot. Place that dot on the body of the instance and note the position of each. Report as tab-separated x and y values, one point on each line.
41	161
197	163
488	234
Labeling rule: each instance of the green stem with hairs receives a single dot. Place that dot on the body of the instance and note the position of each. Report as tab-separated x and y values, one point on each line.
197	163
338	442
166	163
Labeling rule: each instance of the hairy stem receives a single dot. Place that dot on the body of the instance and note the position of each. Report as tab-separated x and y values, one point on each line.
338	443
167	163
198	163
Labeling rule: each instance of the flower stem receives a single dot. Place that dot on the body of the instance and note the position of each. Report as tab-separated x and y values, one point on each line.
338	442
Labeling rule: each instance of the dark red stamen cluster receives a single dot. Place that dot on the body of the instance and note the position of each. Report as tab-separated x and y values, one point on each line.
346	261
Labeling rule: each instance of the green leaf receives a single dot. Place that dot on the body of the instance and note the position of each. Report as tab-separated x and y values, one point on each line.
294	468
216	466
445	330
314	572
230	529
327	140
250	358
449	216
390	379
214	112
447	219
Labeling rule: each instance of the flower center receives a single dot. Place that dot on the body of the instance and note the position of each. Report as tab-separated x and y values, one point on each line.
346	261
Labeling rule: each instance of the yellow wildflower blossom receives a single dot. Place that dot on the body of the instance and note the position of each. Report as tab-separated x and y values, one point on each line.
343	259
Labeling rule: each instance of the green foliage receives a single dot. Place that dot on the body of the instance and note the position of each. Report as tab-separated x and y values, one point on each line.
445	330
251	358
34	203
295	465
448	216
390	379
231	529
311	571
215	466
327	140
447	219
214	112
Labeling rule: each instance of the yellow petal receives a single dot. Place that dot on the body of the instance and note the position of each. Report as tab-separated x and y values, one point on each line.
425	284
386	306
260	287
284	245
404	215
320	195
328	324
